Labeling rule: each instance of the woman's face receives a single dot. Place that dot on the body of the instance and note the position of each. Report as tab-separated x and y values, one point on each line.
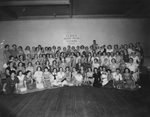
61	69
39	69
126	71
20	73
29	64
11	64
130	61
20	64
73	69
13	75
46	70
117	71
113	60
29	73
54	70
104	69
89	69
95	70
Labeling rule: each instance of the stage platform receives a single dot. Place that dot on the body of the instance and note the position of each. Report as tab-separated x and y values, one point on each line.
74	101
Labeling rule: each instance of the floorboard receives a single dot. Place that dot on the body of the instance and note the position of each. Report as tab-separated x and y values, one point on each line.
75	102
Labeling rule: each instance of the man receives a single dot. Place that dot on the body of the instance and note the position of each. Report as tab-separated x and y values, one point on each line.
94	45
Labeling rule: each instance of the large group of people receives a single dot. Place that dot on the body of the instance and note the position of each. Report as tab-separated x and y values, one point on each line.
98	66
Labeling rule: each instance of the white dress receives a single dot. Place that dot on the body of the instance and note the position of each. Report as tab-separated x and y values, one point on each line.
21	86
39	79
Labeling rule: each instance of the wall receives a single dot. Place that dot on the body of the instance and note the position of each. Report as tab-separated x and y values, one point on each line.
50	32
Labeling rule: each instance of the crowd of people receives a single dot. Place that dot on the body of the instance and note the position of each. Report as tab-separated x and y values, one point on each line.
98	66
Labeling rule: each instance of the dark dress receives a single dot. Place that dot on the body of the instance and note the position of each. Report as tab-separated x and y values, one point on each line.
97	80
29	82
10	85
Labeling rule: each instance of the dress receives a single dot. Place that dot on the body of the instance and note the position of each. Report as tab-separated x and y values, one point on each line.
104	76
21	86
129	83
47	78
89	78
10	85
79	79
39	79
97	80
117	80
29	83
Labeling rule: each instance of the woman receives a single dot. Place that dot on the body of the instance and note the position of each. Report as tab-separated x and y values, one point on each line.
113	66
118	57
38	76
117	79
37	64
28	81
21	67
97	78
129	83
9	69
47	65
30	68
54	74
6	53
89	77
68	74
61	80
95	63
11	83
78	79
73	74
104	76
47	78
21	87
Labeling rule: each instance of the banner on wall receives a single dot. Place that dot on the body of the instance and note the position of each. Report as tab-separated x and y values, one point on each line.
72	40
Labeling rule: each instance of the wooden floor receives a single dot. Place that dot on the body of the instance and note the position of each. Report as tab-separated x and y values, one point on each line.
75	102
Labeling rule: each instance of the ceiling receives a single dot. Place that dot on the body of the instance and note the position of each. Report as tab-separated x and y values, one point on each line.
32	9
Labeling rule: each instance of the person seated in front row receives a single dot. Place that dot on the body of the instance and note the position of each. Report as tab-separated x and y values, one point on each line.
78	79
104	76
117	79
97	78
21	87
47	78
128	81
11	83
89	77
38	76
29	82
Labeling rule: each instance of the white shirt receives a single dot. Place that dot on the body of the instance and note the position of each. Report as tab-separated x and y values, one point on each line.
133	67
117	76
60	75
79	77
21	78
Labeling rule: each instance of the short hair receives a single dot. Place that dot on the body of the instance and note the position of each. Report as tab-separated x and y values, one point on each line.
126	69
27	72
13	71
19	72
6	46
39	67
